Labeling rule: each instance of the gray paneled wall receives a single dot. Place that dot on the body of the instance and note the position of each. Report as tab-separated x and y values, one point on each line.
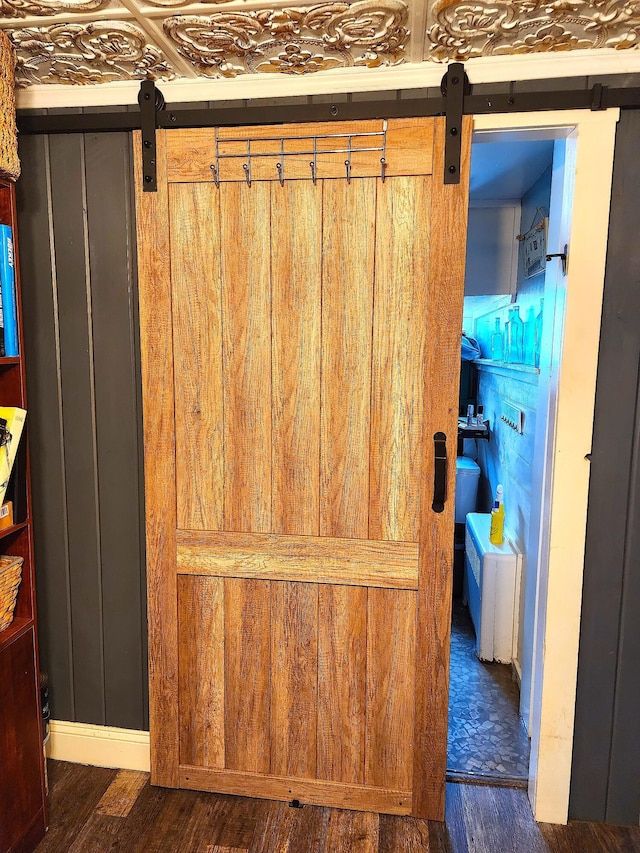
77	254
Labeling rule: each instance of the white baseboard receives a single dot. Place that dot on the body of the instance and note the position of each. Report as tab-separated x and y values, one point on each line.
102	746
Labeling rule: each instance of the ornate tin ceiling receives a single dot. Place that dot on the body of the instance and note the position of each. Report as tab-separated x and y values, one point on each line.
97	41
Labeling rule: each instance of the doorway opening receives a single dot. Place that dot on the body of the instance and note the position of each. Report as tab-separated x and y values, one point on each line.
510	291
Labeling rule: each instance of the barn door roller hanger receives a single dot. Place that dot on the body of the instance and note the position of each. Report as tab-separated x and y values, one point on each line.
455	85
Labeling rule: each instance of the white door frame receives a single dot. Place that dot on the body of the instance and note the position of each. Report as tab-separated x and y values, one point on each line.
571	385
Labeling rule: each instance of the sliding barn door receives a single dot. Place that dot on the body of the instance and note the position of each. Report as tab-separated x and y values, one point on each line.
300	321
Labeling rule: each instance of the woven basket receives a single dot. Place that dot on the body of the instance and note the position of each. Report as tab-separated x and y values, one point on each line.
9	163
10	575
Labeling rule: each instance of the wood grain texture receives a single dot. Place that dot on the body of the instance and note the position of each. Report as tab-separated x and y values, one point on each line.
352	832
156	342
294	679
122	793
478	820
408	150
347	306
247	637
246	301
296	223
446	288
406	834
342	661
201	667
399	343
391	629
312	791
197	334
318	559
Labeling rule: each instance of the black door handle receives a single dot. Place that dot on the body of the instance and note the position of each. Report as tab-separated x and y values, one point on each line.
439	471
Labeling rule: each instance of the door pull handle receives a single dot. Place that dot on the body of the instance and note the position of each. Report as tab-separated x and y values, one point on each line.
439	471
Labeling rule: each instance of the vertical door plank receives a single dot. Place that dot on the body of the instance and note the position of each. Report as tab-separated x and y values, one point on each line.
342	660
399	340
154	277
296	226
247	638
197	333
347	306
390	684
201	670
246	300
446	288
294	677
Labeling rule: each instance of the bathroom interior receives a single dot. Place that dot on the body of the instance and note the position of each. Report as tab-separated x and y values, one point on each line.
508	326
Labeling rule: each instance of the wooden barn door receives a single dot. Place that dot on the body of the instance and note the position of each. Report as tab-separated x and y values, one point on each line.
300	323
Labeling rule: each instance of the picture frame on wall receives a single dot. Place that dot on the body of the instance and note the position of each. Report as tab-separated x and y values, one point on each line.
534	245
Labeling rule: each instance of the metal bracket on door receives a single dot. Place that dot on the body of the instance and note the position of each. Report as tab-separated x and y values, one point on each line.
454	86
151	102
562	256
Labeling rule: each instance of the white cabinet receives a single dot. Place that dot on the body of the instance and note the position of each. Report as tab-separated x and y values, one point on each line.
492	248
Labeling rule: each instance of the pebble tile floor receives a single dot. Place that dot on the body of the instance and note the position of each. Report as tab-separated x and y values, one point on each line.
486	735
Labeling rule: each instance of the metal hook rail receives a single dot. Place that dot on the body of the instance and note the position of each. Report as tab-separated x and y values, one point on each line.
282	154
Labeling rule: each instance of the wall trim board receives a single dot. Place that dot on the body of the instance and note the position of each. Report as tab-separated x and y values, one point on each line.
101	746
561	564
605	779
410	75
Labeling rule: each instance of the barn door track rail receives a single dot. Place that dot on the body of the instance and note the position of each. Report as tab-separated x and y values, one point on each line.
456	99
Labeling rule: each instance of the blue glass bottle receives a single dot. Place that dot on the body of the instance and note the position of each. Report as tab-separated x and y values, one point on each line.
515	345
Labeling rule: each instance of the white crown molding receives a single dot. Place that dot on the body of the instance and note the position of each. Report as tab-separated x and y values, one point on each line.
579	63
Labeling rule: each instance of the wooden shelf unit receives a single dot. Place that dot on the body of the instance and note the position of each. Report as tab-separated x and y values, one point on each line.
23	801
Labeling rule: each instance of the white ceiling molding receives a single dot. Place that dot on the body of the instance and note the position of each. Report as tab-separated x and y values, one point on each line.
236	49
583	63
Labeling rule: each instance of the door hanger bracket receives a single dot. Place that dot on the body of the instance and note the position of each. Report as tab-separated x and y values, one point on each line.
151	101
454	86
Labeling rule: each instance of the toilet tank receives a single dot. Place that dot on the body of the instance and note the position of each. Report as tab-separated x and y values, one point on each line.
467	478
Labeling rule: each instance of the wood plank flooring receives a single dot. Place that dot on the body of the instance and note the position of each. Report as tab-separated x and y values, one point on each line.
94	810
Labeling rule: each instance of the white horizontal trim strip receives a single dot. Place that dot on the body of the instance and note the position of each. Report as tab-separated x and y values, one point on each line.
578	63
101	746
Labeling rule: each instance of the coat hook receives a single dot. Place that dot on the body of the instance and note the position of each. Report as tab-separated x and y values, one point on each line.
280	169
247	166
347	164
215	175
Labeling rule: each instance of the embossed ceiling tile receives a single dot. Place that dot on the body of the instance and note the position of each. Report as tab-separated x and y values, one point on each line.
293	40
12	9
87	53
463	30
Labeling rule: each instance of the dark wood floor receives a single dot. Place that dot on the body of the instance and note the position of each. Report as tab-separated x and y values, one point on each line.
93	809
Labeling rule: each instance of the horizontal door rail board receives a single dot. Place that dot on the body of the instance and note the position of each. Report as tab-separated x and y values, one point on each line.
314	559
314	792
254	153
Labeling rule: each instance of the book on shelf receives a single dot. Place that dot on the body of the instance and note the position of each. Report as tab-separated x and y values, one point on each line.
8	294
17	488
12	421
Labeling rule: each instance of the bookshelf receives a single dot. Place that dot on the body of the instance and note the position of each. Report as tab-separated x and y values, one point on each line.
23	804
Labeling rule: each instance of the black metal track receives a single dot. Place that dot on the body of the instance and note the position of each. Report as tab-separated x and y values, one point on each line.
597	97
